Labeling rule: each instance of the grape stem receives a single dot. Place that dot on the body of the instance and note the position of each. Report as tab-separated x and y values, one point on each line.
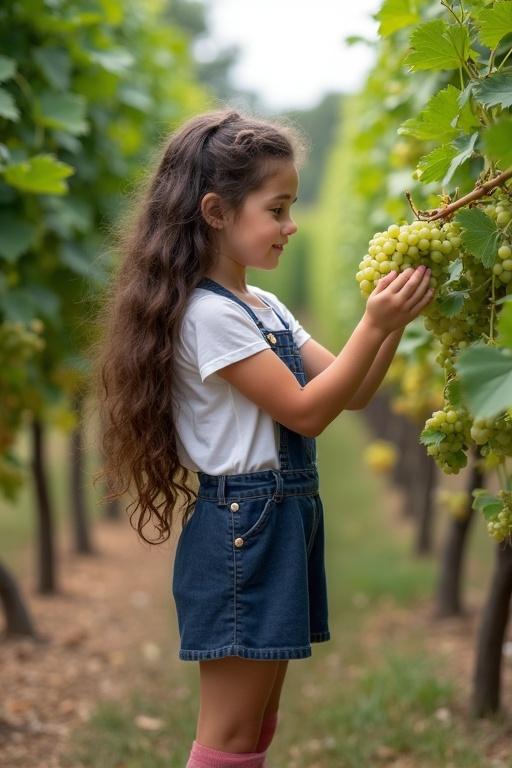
475	194
493	309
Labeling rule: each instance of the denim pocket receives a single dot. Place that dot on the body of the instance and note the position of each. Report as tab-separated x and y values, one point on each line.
252	516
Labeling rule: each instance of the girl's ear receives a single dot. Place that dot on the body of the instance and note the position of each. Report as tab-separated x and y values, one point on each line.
212	210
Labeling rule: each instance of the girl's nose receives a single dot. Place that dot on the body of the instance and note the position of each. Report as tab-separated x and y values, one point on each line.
291	227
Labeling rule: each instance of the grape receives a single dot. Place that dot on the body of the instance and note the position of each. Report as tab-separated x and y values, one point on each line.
499	525
422	242
457	503
494	435
380	455
452	426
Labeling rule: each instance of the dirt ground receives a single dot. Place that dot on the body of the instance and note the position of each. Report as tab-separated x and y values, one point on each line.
108	621
106	627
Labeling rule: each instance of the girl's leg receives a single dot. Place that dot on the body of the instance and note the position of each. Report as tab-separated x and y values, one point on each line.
234	696
270	717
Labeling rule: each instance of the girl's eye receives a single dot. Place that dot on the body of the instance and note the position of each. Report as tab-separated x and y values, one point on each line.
277	210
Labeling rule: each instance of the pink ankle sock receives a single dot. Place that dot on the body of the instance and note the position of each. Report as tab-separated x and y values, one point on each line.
268	728
206	757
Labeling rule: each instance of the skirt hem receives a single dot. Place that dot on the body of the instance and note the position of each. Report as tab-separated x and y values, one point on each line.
301	652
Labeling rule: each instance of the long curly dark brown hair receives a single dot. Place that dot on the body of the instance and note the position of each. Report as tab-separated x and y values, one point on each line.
163	248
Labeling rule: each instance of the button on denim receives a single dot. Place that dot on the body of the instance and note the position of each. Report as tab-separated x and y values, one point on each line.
249	573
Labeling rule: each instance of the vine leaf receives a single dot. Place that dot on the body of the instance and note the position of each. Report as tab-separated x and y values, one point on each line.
505	325
452	303
453	393
480	235
438	45
56	66
17	235
42	174
486	503
495	90
62	110
435	121
495	22
396	14
485	375
435	165
7	68
431	437
466	145
497	141
8	108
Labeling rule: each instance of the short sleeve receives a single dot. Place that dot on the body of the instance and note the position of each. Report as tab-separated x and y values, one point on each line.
300	335
217	332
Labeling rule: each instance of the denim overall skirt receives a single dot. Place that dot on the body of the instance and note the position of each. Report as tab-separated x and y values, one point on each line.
249	574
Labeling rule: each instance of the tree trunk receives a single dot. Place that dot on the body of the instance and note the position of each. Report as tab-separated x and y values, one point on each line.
427	480
17	617
487	677
449	593
410	470
45	539
81	532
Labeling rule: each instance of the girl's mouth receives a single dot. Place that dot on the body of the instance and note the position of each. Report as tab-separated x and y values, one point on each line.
278	247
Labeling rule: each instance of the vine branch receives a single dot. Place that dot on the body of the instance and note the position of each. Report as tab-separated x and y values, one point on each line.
475	194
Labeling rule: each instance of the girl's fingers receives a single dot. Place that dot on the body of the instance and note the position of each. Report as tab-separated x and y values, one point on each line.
412	285
402	279
426	299
419	293
385	281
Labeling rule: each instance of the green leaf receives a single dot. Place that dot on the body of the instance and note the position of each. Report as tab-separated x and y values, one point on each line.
7	68
55	64
485	375
452	304
495	22
24	304
505	324
480	235
495	90
436	119
78	261
42	174
8	108
466	145
486	503
453	393
62	110
497	141
435	165
114	61
454	272
16	236
396	14
431	437
415	338
438	45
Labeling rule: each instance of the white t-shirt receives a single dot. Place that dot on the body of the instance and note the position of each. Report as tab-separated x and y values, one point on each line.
220	431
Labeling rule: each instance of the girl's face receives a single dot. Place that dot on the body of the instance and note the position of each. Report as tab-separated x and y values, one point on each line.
256	237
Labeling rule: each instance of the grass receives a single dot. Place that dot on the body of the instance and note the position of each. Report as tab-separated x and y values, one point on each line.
344	707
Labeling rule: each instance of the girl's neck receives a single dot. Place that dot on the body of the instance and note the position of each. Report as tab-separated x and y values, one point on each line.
236	283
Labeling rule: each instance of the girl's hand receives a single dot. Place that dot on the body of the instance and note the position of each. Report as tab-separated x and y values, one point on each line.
398	299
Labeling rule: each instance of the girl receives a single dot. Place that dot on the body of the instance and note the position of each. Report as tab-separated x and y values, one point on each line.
203	374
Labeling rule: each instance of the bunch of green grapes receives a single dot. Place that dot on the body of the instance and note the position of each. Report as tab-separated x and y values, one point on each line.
499	525
493	435
409	245
453	425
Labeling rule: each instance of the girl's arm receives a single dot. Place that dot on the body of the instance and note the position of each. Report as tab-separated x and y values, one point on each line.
265	379
316	358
